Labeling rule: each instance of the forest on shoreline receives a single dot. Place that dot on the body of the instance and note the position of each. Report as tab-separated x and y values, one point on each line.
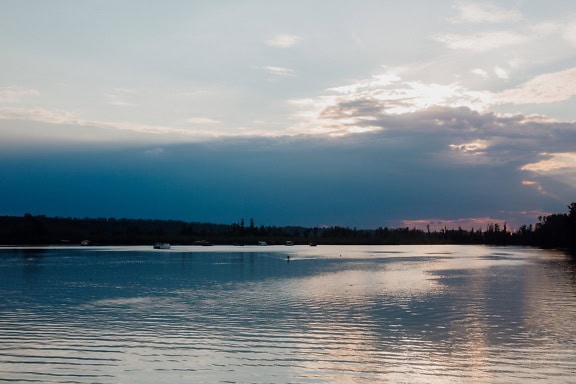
553	231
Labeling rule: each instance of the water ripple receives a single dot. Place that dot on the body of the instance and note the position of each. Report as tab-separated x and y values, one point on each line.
446	315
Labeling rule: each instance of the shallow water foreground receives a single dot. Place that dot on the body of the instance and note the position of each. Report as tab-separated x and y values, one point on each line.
331	314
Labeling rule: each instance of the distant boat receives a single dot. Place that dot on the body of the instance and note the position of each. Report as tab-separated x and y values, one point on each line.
262	243
85	243
162	246
313	244
289	243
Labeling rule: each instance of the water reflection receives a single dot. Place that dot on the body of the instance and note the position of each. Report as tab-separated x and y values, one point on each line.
333	314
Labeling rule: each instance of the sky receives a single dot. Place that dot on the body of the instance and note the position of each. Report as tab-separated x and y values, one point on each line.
352	113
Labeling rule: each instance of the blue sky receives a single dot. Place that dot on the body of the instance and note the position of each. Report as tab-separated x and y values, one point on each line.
364	113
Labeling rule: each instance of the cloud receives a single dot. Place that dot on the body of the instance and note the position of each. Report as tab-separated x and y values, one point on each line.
387	102
512	219
66	127
484	13
559	167
37	114
366	180
569	32
546	88
545	28
14	94
454	125
201	120
563	29
42	115
537	186
380	101
119	97
501	73
278	71
283	41
481	42
475	147
374	82
480	72
438	224
554	162
118	101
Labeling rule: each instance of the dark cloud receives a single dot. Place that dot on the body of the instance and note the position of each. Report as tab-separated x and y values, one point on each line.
363	180
508	138
444	163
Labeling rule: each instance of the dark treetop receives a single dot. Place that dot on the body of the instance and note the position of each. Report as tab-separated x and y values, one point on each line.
553	231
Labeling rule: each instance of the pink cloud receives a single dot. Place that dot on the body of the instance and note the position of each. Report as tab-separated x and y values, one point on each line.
512	219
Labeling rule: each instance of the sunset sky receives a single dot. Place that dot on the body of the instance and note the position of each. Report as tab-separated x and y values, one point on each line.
355	113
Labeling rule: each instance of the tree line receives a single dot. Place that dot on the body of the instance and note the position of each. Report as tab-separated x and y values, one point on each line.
553	231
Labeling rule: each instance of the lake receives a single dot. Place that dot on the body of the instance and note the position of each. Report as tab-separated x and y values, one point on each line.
329	314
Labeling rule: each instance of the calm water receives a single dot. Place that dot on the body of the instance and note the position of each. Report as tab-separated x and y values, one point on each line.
412	314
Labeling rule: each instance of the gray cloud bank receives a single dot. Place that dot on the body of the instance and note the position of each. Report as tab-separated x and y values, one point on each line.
468	169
